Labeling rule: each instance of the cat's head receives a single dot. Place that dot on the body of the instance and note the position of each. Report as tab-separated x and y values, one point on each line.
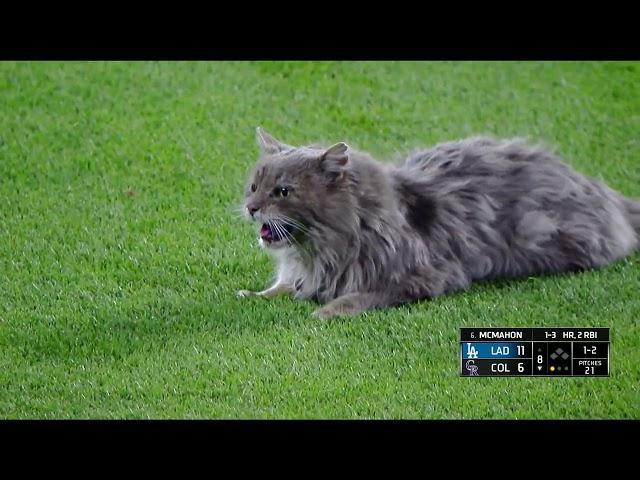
292	191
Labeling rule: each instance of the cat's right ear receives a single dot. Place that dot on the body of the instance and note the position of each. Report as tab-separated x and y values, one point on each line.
335	158
268	144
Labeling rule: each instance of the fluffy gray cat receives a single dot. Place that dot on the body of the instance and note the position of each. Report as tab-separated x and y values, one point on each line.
356	234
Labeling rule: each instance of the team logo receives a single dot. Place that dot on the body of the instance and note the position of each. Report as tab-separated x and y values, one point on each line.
472	368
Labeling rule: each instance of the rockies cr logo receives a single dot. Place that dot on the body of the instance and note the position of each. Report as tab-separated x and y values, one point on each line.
472	368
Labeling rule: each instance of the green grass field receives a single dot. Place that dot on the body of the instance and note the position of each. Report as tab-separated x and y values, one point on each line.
121	252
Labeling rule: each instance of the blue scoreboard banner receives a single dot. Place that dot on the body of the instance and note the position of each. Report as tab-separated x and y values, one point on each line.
496	350
534	352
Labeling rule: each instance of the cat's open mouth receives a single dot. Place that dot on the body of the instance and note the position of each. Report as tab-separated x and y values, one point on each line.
272	234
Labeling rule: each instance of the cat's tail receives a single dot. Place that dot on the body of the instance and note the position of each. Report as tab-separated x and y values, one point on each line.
633	210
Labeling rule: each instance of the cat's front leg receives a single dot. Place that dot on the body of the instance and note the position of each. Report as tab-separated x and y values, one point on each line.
354	303
276	289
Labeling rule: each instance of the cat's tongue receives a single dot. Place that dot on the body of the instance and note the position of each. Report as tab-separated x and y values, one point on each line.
269	234
266	233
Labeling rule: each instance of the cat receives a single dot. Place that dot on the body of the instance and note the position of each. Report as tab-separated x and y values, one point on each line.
356	234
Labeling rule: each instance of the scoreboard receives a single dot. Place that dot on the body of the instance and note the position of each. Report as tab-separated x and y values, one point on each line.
544	352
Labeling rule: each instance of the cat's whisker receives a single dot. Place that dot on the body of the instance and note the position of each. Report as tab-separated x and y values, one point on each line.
282	233
300	227
292	241
293	223
283	220
286	235
290	219
238	211
277	228
305	231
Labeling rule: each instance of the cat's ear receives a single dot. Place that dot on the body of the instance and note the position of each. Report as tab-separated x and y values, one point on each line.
268	144
336	158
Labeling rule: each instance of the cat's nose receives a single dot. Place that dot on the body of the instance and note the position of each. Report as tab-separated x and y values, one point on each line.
252	209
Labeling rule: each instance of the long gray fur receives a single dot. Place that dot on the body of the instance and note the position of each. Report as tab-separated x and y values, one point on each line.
363	234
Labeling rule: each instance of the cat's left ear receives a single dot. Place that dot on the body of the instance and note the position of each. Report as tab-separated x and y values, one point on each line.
268	144
336	158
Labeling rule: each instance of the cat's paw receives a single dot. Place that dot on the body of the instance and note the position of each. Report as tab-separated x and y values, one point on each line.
326	312
319	313
346	306
245	293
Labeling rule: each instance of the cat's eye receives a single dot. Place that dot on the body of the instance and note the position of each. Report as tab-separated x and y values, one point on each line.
281	191
253	187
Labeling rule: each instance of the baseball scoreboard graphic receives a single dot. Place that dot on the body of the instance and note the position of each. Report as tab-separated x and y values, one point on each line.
543	352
